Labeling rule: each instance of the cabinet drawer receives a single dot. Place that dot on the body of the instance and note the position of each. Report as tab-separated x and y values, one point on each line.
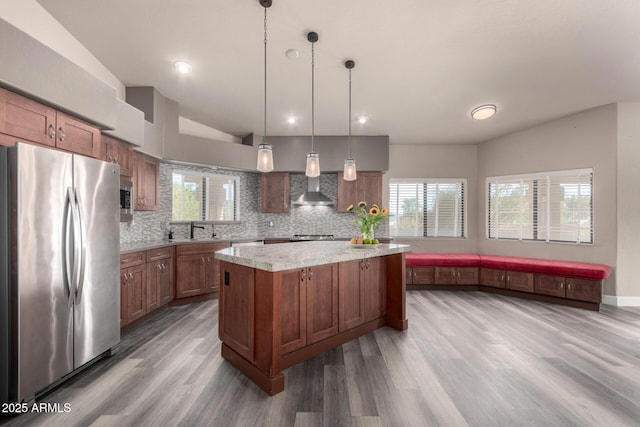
200	248
160	253
132	259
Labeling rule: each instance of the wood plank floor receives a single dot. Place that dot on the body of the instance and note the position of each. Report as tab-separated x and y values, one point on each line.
468	358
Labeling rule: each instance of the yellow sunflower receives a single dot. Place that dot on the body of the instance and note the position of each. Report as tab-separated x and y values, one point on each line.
375	206
374	211
385	211
350	208
362	204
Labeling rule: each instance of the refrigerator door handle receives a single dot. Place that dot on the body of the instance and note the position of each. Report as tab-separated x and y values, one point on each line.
67	262
83	249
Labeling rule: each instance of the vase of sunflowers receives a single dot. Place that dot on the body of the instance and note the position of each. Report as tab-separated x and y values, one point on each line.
367	222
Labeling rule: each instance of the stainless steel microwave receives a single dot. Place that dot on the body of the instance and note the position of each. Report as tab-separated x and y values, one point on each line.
126	196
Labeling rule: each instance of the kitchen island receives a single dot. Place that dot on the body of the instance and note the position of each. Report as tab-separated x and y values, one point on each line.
283	304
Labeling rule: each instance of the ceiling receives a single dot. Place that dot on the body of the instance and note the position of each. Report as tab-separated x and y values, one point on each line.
421	65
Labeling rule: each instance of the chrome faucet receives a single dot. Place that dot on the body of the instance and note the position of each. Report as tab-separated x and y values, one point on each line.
193	225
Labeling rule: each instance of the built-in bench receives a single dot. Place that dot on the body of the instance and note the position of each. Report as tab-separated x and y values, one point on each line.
576	284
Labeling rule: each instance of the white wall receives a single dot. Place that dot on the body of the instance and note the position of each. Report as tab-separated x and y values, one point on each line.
438	161
628	215
30	17
584	140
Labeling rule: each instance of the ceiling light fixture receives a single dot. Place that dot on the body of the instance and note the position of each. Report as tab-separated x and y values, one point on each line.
362	119
265	151
483	112
349	173
291	120
182	67
313	159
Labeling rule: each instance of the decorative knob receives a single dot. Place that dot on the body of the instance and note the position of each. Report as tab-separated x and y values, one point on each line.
61	134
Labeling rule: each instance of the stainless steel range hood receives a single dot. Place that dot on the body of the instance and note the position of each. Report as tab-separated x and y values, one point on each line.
313	196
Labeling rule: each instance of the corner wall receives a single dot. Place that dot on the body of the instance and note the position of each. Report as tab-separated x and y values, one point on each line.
587	139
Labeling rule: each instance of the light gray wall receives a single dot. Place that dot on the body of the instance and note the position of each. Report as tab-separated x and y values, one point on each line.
438	161
584	140
628	193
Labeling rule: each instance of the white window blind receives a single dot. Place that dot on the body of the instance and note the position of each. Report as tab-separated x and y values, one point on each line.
553	206
427	208
204	197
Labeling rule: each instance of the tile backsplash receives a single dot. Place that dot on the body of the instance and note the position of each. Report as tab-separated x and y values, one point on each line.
155	225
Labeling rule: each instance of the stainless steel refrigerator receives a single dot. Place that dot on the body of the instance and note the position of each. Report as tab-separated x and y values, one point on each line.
59	266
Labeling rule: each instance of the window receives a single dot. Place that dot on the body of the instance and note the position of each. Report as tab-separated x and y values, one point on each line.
551	206
427	207
204	197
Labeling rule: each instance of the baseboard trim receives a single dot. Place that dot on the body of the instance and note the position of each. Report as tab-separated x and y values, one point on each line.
621	301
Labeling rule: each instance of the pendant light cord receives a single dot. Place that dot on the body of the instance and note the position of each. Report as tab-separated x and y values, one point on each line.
349	113
312	96
264	137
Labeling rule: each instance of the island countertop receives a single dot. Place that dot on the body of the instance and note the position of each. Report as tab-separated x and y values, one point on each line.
289	256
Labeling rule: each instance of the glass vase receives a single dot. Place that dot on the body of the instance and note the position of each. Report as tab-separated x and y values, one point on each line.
369	233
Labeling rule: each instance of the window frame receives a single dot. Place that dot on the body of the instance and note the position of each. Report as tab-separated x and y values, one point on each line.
426	181
204	203
535	177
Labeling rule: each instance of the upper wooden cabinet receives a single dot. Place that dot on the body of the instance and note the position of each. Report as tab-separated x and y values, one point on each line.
367	187
118	152
146	182
275	192
26	120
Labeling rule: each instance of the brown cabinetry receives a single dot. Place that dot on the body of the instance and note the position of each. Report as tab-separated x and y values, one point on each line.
374	275
26	120
566	287
146	182
420	275
519	281
310	306
362	292
456	275
275	192
133	287
197	271
160	288
492	277
118	152
235	319
367	187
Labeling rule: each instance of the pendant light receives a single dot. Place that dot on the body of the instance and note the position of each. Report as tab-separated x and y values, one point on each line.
265	151
349	164
313	159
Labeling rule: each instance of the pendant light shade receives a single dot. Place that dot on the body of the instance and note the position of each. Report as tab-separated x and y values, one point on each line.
349	173
313	159
265	157
265	152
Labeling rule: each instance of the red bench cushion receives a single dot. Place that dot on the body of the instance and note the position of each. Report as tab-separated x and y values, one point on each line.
442	260
543	266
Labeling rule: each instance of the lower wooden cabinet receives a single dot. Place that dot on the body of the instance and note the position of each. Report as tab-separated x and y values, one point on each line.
420	275
236	318
374	277
197	271
160	288
310	306
493	278
519	281
566	287
456	275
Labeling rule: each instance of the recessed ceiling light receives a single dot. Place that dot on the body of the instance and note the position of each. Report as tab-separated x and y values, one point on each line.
182	67
362	119
292	54
291	119
483	112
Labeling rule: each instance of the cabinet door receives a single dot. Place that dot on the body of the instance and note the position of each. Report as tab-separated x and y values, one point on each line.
422	276
519	281
322	302
492	277
124	283
155	275
584	290
236	326
212	279
136	293
374	274
125	158
467	276
150	169
275	192
77	136
190	275
445	275
167	288
369	187
294	310
549	285
27	120
347	193
350	295
109	151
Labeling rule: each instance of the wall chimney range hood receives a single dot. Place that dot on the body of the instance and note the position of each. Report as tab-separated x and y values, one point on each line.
313	196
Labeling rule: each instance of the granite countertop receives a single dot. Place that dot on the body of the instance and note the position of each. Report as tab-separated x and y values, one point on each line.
288	256
144	245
